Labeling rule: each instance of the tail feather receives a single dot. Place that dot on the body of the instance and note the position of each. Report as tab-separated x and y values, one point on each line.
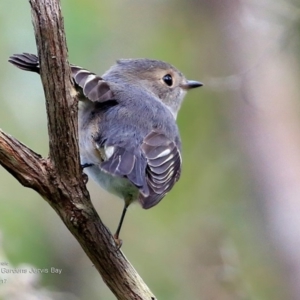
93	87
26	61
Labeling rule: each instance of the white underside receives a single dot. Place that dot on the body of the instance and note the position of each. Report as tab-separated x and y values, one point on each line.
118	186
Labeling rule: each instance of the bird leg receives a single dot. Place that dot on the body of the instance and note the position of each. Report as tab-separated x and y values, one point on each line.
87	165
118	241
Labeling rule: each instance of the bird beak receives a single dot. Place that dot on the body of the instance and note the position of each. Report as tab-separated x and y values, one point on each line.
191	84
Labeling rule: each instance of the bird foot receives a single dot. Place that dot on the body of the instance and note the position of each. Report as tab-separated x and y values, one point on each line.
85	178
118	242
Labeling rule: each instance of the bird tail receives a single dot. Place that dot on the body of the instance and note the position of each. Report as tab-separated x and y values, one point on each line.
93	87
26	61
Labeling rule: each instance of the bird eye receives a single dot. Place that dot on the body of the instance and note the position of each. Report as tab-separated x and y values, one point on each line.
168	80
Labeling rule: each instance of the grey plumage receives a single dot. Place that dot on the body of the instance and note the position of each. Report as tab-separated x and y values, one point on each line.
127	127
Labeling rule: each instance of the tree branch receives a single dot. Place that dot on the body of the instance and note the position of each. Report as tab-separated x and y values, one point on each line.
59	179
60	101
28	167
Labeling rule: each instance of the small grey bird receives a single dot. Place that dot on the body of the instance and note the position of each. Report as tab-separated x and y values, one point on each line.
128	138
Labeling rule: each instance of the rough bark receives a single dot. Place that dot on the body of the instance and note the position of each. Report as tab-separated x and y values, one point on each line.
58	178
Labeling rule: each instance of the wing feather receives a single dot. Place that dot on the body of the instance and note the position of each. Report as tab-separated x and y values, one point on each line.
163	167
127	162
153	168
93	87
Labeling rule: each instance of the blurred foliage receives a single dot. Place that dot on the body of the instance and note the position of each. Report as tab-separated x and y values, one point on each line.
204	240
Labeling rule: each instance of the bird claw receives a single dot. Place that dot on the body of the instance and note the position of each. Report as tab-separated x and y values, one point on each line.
85	178
118	242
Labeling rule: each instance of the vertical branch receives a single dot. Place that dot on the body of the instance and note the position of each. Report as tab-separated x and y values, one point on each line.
61	102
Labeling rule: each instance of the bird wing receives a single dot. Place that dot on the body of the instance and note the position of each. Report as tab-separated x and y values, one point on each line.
153	168
163	167
93	87
124	160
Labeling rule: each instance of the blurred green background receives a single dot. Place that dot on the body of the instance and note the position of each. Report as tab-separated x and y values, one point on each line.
208	239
